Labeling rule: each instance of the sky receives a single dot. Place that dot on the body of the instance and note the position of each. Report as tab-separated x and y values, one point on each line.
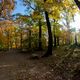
21	9
76	23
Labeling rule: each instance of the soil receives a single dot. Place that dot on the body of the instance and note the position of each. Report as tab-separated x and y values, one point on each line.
20	66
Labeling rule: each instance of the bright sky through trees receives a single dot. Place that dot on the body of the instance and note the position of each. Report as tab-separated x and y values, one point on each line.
21	9
40	39
76	22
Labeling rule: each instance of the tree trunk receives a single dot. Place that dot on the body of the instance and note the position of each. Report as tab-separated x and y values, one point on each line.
8	40
77	3
16	42
50	40
76	39
68	38
21	40
40	36
29	39
54	32
55	40
11	44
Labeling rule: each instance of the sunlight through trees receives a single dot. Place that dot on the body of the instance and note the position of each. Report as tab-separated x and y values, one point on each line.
46	25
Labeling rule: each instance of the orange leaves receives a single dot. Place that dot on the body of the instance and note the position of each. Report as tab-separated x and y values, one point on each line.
7	30
7	7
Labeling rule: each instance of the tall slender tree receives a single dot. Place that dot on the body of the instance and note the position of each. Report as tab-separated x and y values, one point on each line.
50	39
77	3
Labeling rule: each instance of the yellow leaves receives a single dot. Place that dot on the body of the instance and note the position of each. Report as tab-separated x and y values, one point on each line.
49	1
47	6
36	15
8	28
69	4
54	8
55	14
56	29
14	45
2	37
40	2
74	9
23	18
66	4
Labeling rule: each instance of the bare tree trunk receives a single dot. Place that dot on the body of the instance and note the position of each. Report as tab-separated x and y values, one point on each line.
77	3
57	40
21	40
8	41
30	39
50	39
40	36
76	39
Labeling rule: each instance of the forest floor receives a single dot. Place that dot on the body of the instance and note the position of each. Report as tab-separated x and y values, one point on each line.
64	64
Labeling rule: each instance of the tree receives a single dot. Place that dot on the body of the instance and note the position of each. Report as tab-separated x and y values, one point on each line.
6	7
77	3
56	32
68	14
52	9
37	17
50	40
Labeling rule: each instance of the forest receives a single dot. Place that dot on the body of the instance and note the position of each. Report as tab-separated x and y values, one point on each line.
40	44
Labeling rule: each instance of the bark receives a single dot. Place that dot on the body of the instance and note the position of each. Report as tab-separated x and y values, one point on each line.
8	40
11	44
21	40
77	3
54	32
29	39
76	39
16	41
50	40
55	40
68	38
40	36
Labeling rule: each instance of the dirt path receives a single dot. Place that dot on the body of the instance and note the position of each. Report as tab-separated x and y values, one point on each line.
19	66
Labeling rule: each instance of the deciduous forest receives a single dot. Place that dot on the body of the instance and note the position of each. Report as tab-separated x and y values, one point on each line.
40	44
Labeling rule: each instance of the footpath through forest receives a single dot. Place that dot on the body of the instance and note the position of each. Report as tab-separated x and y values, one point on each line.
64	64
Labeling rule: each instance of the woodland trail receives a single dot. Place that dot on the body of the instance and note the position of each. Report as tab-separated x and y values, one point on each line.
19	66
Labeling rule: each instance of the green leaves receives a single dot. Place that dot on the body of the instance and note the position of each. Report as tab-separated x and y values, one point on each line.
56	29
